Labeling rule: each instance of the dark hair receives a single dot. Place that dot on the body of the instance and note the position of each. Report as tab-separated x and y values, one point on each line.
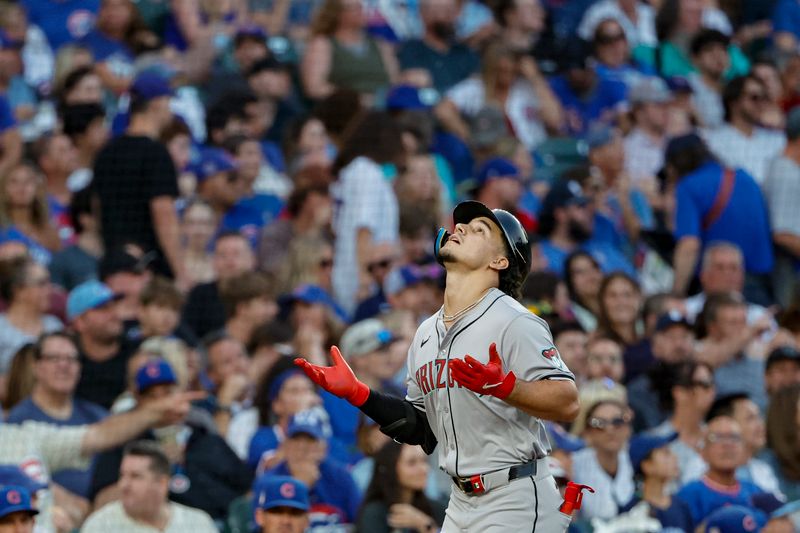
725	405
667	19
782	430
38	346
715	302
78	117
231	234
163	292
213	338
541	286
376	136
262	400
269	334
734	90
243	288
571	258
176	127
230	105
512	278
414	219
706	38
159	464
233	143
686	154
338	110
13	275
300	194
73	79
666	376
565	326
385	485
80	204
604	324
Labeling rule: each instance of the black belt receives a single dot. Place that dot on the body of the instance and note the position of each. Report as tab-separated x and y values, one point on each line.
474	484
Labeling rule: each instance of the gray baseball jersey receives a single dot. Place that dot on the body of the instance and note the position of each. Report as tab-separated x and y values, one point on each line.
481	433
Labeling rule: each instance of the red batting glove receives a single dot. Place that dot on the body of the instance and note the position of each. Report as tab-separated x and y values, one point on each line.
483	379
338	379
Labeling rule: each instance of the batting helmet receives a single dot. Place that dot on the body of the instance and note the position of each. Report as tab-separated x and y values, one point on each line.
514	235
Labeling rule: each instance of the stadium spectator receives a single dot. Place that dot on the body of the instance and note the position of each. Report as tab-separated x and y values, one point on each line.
785	25
198	225
333	494
57	158
727	347
144	480
26	291
19	378
741	141
281	504
160	308
604	464
582	276
249	47
437	60
754	436
17	512
248	302
675	345
92	312
645	143
203	472
522	23
782	369
228	377
395	498
783	423
723	451
571	340
203	312
177	137
126	272
86	127
711	59
620	303
315	320
144	215
25	214
604	359
57	369
612	50
81	84
78	261
635	18
340	53
706	211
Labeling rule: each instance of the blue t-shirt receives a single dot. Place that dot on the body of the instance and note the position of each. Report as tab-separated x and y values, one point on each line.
252	213
607	255
83	412
746	208
115	54
629	75
39	253
335	498
7	120
62	21
264	440
786	17
600	105
703	498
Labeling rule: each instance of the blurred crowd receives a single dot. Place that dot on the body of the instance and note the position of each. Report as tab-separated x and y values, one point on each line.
194	192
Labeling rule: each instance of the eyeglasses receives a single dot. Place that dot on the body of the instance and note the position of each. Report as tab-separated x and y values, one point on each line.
610	38
382	264
58	358
606	423
729	438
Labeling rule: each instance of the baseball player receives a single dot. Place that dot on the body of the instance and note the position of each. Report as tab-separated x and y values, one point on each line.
483	374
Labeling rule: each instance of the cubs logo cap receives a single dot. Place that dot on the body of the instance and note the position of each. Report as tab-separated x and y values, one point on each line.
15	499
280	491
731	519
154	372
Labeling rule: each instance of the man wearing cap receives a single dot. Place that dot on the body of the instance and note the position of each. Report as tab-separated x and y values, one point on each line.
781	185
645	143
145	483
333	494
104	354
281	504
204	472
16	510
56	370
782	369
711	58
217	181
144	213
499	186
125	270
566	222
655	467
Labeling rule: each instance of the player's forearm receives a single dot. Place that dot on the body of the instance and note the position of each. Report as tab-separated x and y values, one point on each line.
548	399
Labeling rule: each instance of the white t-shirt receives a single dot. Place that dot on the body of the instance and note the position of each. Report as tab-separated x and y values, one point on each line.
522	107
182	519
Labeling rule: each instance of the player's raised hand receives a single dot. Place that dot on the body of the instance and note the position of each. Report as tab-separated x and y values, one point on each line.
483	379
338	379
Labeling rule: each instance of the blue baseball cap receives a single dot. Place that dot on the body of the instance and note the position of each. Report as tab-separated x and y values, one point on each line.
87	296
642	446
309	294
563	193
13	475
731	519
249	31
280	491
149	85
405	97
307	423
15	499
154	372
7	43
599	135
213	161
497	167
406	276
671	318
563	440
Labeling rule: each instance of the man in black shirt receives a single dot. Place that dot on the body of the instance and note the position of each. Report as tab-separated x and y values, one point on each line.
135	180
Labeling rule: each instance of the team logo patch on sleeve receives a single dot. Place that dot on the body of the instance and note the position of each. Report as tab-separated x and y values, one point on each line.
550	352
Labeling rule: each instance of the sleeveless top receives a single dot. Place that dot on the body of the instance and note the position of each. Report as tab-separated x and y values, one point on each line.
362	70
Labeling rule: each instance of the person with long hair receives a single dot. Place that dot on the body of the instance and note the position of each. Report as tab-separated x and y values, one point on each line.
620	300
24	213
583	277
20	379
395	501
340	54
367	212
783	439
197	227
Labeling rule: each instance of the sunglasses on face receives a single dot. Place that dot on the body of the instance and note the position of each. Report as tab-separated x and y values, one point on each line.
382	264
729	438
607	423
610	38
701	384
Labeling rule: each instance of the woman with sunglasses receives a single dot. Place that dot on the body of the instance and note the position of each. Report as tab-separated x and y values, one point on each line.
605	464
25	288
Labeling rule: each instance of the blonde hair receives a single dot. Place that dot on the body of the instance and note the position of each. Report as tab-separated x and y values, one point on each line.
301	263
20	378
594	392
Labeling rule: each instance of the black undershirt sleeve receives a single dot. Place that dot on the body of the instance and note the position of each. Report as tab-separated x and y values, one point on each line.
400	420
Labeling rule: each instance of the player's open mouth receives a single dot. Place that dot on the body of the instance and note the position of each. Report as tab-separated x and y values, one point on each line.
454	238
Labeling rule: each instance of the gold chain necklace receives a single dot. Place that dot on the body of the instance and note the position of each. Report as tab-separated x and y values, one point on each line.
467	309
